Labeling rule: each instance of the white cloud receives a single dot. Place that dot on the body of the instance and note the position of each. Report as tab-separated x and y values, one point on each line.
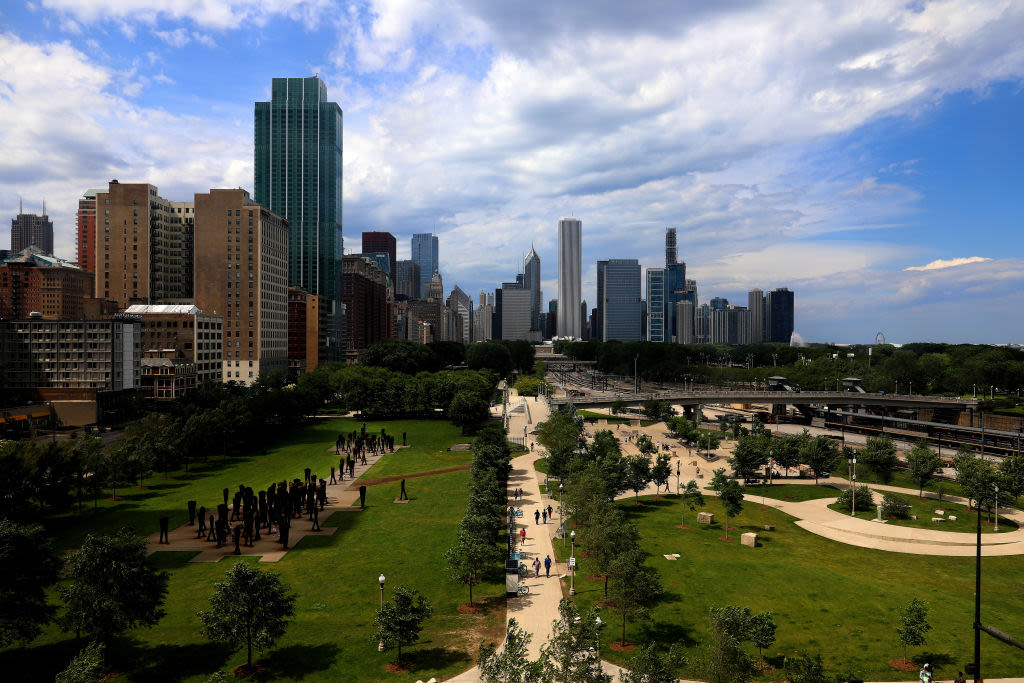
218	14
179	37
949	263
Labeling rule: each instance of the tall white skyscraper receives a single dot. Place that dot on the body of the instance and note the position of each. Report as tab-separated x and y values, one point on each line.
569	267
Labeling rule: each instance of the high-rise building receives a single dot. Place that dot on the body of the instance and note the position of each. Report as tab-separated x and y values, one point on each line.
730	325
307	332
460	303
241	263
657	329
31	230
183	331
779	315
702	324
365	295
297	175
483	317
671	254
531	281
144	249
407	280
569	278
435	288
33	282
382	242
516	314
618	299
86	228
424	253
755	304
684	323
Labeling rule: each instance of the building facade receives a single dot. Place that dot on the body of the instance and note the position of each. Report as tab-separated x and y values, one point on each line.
242	263
657	320
461	304
33	282
755	304
365	295
779	315
569	278
32	230
531	281
165	376
684	323
730	325
183	331
618	299
425	253
85	224
382	243
298	176
307	332
407	279
516	314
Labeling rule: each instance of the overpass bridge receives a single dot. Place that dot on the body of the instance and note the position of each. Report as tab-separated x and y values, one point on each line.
773	398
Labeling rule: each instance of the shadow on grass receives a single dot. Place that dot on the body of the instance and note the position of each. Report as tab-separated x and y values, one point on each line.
295	662
664	632
167	662
938	660
434	659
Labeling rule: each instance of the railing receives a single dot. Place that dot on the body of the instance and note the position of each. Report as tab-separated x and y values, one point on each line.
790	397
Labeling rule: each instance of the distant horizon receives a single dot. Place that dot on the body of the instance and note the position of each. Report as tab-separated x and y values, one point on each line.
864	157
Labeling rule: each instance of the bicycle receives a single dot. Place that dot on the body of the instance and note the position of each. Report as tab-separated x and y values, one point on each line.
523	589
519	512
524	571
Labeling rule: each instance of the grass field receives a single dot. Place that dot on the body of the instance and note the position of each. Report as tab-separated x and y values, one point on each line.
900	478
966	520
827	597
334	578
791	492
426	453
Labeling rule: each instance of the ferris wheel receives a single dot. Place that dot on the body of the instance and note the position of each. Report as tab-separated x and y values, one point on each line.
879	338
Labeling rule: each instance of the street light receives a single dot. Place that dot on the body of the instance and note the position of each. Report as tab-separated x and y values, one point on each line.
561	487
853	484
677	476
997	508
599	625
380	645
572	563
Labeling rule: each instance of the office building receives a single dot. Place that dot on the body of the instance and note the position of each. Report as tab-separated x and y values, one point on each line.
755	304
531	281
85	223
33	283
684	323
407	280
483	318
297	175
165	376
657	318
365	295
671	253
675	284
702	324
779	315
424	253
730	325
618	299
31	230
718	303
569	278
307	332
382	243
144	249
516	314
434	290
242	266
460	303
551	320
424	320
183	331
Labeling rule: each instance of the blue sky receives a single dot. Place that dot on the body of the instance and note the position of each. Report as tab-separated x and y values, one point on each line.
866	155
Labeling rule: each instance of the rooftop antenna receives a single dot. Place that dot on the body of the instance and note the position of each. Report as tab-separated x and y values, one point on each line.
44	207
21	208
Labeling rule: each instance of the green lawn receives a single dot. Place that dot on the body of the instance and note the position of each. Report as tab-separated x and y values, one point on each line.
334	578
791	492
966	520
827	597
900	478
426	453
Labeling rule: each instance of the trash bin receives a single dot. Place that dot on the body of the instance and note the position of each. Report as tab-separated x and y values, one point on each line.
511	576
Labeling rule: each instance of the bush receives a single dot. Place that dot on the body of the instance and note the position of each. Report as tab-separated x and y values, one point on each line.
894	506
529	386
864	500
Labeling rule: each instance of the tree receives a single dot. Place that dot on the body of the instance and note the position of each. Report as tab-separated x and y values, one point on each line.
657	410
88	454
251	606
975	477
618	406
1011	471
913	625
114	587
467	410
722	660
662	470
709	441
28	566
470	555
604	452
570	654
922	463
692	496
638	473
645	445
820	454
511	664
785	451
635	587
879	455
560	436
15	474
400	621
650	666
608	536
806	669
730	494
762	631
85	667
748	455
53	477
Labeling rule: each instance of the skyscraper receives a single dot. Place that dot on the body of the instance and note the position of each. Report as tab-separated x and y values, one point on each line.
618	299
531	281
407	279
30	230
424	253
86	225
670	246
569	270
382	243
755	304
297	175
779	313
657	331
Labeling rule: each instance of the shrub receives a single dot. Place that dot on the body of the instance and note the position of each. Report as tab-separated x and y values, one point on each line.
864	500
893	506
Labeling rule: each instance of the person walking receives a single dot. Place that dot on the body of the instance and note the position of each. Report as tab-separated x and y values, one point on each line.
522	536
536	567
536	516
551	512
544	516
547	566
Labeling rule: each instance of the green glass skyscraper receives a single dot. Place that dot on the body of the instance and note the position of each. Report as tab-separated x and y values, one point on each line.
298	167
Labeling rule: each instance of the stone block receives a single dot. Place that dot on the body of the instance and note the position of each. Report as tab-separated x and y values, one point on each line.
938	519
769	527
913	517
705	518
749	539
952	518
940	512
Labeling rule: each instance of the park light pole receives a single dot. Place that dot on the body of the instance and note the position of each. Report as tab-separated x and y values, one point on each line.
572	563
997	508
677	476
599	625
380	645
561	487
853	484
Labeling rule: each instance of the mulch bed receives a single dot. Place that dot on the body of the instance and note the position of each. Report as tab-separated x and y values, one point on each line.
619	647
466	608
682	526
399	477
246	671
595	577
727	539
399	667
903	664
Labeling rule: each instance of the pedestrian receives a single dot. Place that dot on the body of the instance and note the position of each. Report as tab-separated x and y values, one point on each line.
522	536
960	678
536	567
544	516
536	516
547	566
551	512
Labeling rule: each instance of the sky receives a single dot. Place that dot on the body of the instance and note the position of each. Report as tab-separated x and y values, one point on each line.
866	155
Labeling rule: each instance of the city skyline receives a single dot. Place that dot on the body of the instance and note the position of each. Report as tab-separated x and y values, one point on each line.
871	169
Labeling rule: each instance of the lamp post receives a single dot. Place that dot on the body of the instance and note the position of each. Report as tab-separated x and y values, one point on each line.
561	487
997	508
636	377
572	557
853	484
380	645
599	625
677	476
